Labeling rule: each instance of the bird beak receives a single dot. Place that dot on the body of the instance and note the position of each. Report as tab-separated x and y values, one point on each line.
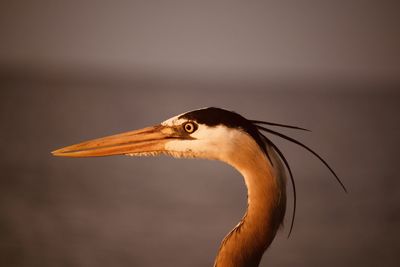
147	140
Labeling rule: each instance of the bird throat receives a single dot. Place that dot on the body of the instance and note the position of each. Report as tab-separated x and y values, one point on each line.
247	242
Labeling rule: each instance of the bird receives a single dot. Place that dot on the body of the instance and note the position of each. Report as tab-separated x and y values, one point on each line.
218	134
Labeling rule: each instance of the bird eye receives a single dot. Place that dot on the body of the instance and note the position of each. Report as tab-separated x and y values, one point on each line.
190	127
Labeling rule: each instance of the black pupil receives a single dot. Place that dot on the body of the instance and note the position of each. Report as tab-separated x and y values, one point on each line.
189	127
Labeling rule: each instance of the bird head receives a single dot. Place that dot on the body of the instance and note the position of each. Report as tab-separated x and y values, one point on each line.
211	133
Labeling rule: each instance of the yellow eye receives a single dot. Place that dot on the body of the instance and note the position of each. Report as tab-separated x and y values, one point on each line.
190	127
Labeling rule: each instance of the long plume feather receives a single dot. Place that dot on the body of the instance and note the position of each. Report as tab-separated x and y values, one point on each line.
307	148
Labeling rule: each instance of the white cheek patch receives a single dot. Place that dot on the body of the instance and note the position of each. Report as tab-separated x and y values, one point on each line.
217	134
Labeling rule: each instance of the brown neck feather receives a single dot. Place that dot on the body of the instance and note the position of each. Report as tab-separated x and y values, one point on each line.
266	185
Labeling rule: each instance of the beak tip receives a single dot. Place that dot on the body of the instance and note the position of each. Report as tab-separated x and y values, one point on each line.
56	153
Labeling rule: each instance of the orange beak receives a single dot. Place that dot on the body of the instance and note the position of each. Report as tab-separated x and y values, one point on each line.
146	140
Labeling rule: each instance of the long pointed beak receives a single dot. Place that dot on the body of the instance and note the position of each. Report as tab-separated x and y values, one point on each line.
146	140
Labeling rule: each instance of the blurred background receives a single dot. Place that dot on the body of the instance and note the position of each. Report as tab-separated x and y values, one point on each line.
71	71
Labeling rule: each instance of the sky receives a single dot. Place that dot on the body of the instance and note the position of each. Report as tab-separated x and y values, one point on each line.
257	40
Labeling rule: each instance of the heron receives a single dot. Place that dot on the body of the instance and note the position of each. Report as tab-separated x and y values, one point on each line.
218	134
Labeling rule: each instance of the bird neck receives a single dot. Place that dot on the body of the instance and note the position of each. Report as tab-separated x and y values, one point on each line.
247	242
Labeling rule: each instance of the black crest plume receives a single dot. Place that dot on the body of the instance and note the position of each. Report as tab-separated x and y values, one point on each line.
268	141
